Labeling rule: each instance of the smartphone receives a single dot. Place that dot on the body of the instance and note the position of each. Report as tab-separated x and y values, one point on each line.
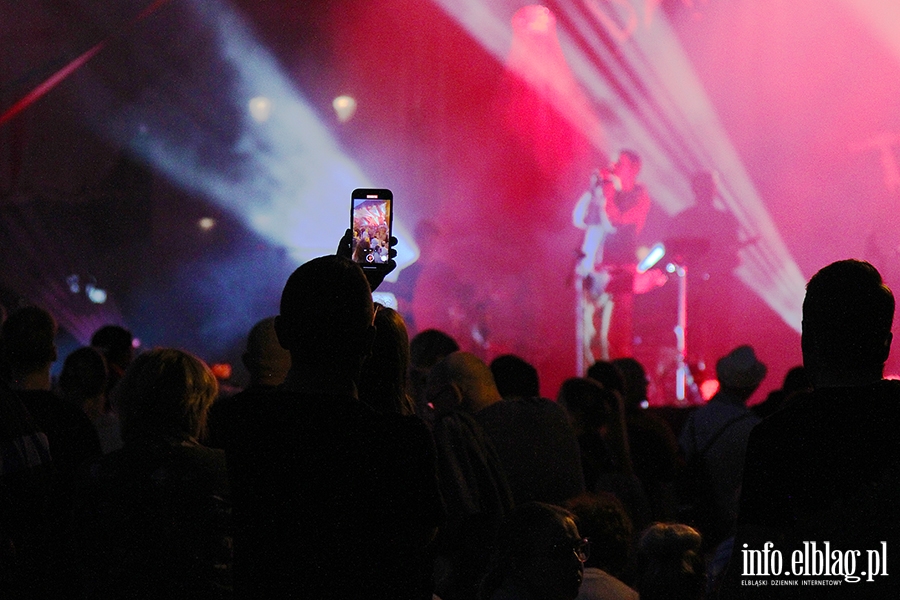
371	220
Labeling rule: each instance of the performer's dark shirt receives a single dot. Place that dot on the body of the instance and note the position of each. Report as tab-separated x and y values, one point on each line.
621	245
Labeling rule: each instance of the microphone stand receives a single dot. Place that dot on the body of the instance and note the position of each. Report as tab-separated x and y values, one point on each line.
684	380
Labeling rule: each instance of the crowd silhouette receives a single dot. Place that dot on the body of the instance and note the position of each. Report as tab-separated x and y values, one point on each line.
360	463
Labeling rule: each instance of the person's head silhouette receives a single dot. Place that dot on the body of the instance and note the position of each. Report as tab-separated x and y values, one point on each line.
326	316
847	317
539	554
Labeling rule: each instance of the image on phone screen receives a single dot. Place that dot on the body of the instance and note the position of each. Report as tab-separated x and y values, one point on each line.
371	230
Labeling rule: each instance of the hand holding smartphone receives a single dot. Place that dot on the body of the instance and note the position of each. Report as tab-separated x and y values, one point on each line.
370	209
371	223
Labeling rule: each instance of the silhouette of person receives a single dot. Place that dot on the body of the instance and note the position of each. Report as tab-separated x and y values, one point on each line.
328	503
27	475
383	386
268	364
709	241
795	384
670	563
826	468
515	377
715	435
654	448
426	349
83	382
384	378
716	231
29	349
533	437
117	345
153	519
603	520
539	555
473	482
599	424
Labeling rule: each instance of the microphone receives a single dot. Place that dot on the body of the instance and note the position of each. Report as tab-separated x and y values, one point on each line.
602	175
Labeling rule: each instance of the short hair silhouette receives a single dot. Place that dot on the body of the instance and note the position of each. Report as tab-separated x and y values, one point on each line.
609	375
266	361
523	539
470	376
84	374
847	315
704	187
636	383
515	377
326	309
29	338
426	349
430	346
588	402
795	380
602	518
670	563
116	342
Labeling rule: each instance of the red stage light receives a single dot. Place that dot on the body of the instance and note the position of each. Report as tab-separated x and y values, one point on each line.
222	371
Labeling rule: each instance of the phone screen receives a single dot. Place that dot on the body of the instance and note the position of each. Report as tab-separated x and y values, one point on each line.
371	216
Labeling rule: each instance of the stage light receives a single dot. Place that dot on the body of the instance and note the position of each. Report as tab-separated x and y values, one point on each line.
73	283
344	108
657	252
222	371
206	223
95	294
288	180
709	388
260	109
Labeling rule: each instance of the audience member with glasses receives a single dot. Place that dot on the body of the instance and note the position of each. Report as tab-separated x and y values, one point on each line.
539	555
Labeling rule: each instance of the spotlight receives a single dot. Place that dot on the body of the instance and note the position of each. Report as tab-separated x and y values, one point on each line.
344	107
709	388
206	223
260	109
95	294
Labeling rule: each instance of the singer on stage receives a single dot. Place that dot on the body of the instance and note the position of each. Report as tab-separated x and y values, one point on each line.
612	213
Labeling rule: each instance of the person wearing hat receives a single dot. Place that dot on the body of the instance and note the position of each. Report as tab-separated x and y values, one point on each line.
715	436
